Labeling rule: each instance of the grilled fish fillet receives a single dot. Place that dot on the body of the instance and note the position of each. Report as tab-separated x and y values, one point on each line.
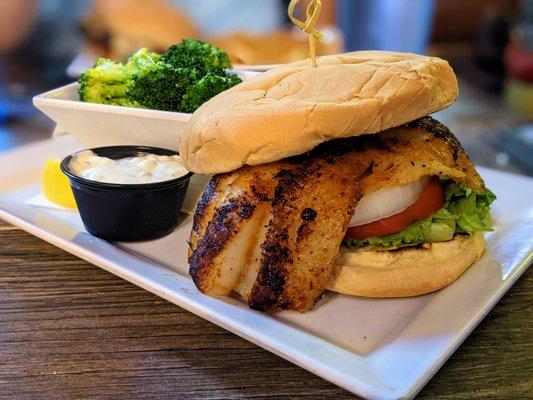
271	232
253	226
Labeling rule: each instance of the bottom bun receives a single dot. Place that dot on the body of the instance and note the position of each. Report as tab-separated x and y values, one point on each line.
406	272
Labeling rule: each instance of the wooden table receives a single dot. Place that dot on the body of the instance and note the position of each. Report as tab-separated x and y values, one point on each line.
70	330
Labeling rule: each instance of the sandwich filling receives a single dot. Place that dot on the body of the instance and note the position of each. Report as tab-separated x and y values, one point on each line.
442	209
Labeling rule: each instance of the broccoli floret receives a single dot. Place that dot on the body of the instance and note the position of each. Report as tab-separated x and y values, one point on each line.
204	89
140	60
161	86
193	53
107	82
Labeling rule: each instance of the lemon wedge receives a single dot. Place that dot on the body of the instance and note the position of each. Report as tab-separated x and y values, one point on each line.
56	186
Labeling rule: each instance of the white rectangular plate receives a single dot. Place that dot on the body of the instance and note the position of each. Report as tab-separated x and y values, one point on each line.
378	349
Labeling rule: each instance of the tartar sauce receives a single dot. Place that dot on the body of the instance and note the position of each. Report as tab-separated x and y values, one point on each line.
146	168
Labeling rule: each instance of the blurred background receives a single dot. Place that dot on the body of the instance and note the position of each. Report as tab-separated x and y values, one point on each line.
489	43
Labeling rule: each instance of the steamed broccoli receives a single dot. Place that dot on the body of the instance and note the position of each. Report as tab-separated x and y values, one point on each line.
181	79
193	53
202	90
161	86
141	59
108	82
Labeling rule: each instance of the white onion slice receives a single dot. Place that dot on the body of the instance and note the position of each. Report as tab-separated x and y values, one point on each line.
386	202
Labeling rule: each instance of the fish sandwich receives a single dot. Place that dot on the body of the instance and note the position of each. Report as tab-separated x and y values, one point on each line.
334	177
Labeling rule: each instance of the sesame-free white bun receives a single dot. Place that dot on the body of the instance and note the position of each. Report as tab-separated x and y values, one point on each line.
291	109
405	272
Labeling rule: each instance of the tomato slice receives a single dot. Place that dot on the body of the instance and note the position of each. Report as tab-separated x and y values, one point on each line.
431	200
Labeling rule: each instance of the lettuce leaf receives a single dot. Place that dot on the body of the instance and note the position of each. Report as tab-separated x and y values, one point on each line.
465	211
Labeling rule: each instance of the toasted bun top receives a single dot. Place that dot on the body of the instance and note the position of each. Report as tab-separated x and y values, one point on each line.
291	109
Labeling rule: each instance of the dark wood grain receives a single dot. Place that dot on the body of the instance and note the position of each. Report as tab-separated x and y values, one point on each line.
70	330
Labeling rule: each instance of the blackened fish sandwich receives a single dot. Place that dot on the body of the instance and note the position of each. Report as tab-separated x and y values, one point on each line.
334	177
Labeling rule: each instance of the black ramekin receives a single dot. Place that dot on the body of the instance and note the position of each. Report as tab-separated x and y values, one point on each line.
128	212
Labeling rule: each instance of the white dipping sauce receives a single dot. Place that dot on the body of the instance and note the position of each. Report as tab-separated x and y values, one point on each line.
146	168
